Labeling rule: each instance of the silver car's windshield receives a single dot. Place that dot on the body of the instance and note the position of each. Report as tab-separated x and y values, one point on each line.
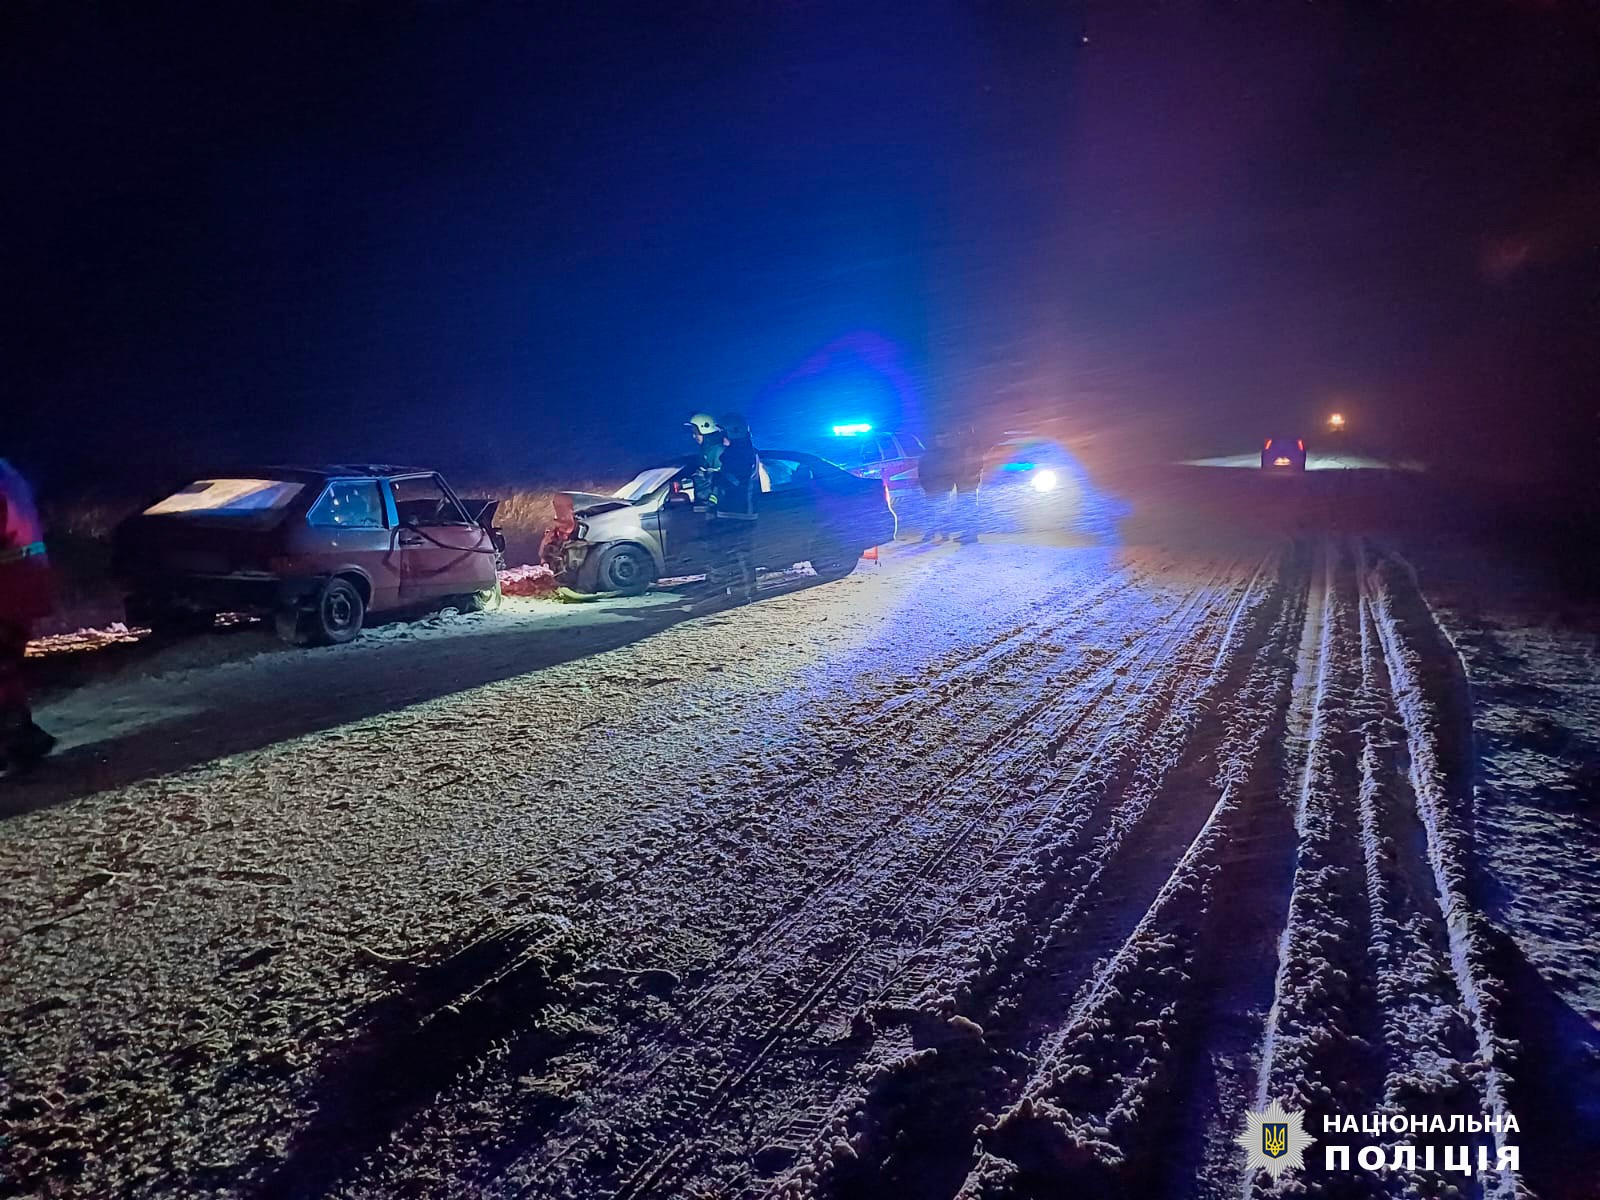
645	482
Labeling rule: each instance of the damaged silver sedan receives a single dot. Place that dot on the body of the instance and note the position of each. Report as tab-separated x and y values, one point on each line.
808	511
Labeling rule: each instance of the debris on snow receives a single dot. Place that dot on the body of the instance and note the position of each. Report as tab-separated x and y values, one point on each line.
533	579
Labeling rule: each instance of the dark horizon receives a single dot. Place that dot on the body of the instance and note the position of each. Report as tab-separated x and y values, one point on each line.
529	243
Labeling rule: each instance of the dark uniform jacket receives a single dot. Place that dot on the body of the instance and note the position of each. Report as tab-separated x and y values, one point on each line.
737	480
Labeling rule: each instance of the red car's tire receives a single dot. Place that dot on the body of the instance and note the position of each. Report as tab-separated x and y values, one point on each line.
334	618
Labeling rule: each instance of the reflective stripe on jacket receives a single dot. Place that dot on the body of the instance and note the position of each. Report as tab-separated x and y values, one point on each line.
20	552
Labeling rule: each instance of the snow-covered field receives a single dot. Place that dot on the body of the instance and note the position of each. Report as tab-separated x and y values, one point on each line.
1016	870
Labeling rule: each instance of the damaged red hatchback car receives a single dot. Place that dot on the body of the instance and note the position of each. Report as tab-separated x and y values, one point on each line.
315	548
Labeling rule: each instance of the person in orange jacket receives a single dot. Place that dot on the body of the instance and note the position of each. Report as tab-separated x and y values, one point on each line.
27	593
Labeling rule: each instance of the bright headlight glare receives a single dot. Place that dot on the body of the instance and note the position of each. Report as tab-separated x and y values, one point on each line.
1044	481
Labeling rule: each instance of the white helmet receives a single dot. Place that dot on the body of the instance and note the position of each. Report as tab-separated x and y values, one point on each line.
704	424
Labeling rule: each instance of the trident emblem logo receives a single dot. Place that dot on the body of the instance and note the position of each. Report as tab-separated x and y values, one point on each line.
1275	1139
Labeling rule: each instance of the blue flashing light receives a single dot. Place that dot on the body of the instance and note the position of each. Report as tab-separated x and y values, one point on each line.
851	429
1017	466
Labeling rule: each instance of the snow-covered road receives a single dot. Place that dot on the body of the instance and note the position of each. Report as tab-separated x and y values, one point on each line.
1012	870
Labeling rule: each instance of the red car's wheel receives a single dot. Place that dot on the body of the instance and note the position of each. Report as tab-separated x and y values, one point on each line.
336	617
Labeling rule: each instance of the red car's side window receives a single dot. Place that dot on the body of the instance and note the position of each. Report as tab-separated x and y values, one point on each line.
349	504
421	501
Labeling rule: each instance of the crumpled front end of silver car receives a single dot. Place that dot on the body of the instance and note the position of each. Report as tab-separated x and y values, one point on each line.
595	529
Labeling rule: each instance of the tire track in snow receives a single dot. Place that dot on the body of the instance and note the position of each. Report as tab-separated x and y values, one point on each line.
1427	1037
1368	1014
1124	1065
1037	815
1320	1048
1002	889
1093	860
1107	1105
889	883
941	683
415	1039
1109	679
951	681
968	669
857	860
1402	630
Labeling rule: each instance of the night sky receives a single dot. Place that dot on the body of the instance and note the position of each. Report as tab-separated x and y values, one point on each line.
525	240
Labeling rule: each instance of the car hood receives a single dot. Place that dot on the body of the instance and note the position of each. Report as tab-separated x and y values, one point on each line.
587	504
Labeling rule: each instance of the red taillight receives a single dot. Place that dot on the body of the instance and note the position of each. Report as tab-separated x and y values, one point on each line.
1300	442
1268	446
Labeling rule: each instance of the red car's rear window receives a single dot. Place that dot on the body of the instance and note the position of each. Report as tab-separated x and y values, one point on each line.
228	496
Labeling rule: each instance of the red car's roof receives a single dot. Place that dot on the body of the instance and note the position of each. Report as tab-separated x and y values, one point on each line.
330	471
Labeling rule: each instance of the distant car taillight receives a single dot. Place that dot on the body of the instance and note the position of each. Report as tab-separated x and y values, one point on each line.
1268	446
1300	442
